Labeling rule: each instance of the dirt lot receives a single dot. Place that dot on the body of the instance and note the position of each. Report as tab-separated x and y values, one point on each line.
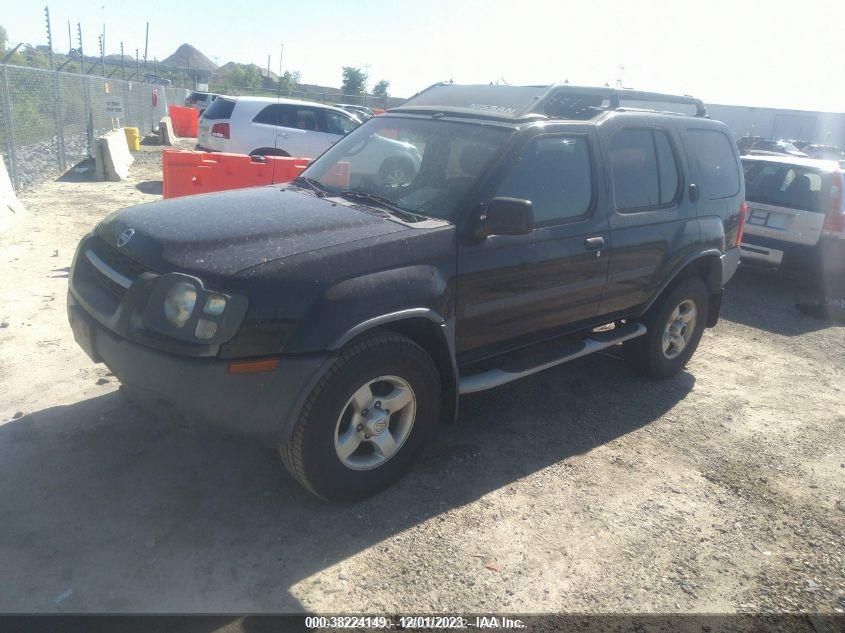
584	488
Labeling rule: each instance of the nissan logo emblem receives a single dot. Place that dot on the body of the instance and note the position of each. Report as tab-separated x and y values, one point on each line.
123	238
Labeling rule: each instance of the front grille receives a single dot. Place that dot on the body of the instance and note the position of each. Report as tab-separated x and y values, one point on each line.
121	262
89	271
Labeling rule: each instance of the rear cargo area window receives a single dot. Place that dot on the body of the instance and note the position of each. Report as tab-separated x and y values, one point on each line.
715	160
790	186
219	109
554	174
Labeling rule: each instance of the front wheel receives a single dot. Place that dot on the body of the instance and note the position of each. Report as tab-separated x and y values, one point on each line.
675	324
367	418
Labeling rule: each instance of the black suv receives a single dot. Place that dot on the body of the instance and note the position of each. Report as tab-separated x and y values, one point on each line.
339	317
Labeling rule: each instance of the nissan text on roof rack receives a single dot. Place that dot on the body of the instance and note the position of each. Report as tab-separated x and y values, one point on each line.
340	317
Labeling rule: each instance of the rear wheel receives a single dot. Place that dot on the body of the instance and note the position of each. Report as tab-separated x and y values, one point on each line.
396	172
675	324
367	418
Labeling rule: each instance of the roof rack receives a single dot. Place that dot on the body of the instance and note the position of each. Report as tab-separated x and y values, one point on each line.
533	102
616	95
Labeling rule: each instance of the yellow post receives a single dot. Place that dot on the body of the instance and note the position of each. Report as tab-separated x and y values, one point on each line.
133	139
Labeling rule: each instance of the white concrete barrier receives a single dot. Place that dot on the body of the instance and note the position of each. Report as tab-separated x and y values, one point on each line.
165	132
11	210
112	158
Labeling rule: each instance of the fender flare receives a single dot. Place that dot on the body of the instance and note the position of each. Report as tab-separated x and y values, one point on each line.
711	253
363	326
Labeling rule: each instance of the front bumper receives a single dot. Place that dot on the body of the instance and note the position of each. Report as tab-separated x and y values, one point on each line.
199	391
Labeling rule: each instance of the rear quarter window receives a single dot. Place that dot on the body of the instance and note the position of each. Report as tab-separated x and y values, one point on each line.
219	109
716	163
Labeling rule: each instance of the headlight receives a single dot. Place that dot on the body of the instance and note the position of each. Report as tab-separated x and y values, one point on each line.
179	303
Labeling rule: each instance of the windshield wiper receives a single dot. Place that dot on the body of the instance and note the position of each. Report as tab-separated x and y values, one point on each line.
319	188
384	203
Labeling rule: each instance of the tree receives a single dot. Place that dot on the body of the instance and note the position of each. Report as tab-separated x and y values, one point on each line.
380	89
4	37
354	80
289	80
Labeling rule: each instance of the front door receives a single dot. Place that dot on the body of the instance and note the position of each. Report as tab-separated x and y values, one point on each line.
513	290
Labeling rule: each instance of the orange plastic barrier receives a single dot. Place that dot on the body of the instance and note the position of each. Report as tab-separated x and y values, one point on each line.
184	120
185	173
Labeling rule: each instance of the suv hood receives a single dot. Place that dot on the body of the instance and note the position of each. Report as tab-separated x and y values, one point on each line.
223	233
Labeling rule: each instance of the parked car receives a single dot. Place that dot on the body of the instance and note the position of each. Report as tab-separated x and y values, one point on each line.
796	213
268	126
756	145
824	152
362	112
339	318
200	100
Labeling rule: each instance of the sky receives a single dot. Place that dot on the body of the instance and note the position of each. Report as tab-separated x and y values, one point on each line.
758	53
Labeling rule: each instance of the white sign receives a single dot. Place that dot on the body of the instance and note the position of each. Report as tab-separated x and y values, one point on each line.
202	87
114	106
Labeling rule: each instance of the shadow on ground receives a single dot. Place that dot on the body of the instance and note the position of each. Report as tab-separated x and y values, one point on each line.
149	186
133	514
765	299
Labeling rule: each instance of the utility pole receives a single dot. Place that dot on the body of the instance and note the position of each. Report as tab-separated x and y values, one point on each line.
69	40
146	47
102	54
137	65
268	67
122	61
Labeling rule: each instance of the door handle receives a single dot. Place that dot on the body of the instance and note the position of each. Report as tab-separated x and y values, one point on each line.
593	243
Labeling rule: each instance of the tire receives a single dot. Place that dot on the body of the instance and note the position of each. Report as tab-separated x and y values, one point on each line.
331	421
646	354
395	172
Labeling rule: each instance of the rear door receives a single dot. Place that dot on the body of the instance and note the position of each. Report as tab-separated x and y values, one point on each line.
304	131
785	202
652	221
515	289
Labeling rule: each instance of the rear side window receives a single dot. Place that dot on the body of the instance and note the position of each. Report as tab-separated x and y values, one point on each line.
336	123
219	109
554	173
644	168
715	161
198	96
784	185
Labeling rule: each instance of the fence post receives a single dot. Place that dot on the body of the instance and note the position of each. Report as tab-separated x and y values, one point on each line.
10	127
89	115
60	122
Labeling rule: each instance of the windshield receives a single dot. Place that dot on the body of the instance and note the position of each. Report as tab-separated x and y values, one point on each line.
424	166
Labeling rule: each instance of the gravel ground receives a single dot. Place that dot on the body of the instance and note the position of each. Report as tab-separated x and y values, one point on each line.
584	488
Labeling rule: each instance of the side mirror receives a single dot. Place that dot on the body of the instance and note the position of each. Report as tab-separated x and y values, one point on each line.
508	216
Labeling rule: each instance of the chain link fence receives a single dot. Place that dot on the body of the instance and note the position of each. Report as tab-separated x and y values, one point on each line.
49	120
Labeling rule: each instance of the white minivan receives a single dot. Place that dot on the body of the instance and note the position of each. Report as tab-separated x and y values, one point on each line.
270	126
796	213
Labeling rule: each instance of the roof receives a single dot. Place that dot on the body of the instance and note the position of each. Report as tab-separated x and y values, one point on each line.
524	103
800	161
268	100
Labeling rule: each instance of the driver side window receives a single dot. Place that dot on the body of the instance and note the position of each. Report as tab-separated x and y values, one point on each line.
554	173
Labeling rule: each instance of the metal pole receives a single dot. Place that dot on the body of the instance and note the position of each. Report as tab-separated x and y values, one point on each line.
60	121
122	61
81	53
49	36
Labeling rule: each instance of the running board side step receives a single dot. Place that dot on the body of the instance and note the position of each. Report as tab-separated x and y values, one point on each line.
502	375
